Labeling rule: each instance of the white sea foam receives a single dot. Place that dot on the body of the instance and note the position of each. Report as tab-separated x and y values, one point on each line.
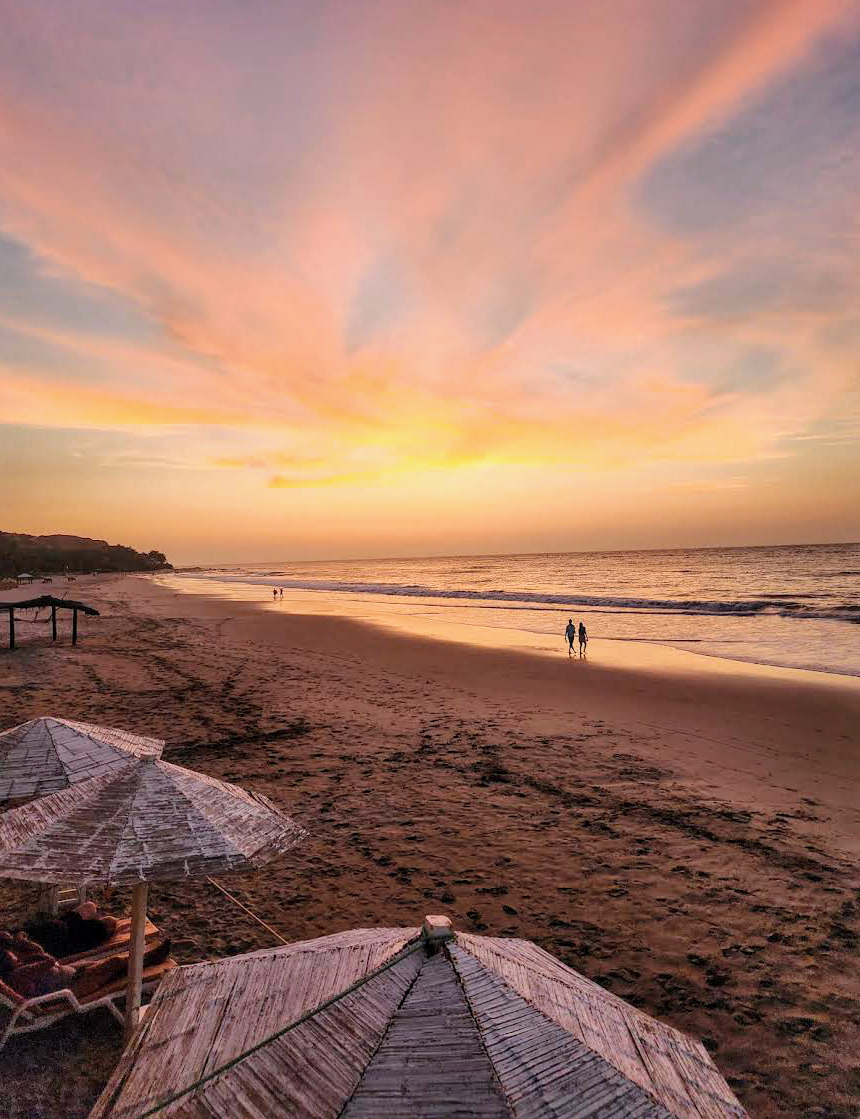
791	606
773	604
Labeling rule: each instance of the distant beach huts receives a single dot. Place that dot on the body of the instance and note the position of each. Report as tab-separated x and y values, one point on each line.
55	604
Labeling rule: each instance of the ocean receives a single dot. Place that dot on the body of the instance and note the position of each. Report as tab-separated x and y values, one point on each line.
789	606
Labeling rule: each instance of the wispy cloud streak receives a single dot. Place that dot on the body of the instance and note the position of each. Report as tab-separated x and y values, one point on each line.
386	237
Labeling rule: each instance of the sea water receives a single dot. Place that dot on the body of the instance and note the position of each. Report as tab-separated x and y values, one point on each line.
793	606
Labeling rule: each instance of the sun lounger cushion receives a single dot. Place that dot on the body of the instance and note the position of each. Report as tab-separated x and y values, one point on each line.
118	943
150	974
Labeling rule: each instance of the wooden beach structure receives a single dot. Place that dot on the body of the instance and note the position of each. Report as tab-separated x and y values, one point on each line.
47	754
55	605
404	1022
19	1015
144	821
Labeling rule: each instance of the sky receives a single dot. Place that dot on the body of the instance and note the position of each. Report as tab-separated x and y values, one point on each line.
393	277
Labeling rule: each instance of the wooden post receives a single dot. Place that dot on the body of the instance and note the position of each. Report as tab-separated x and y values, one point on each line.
74	627
53	623
135	958
48	904
11	627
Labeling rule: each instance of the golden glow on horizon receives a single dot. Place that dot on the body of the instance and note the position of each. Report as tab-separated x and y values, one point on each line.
502	276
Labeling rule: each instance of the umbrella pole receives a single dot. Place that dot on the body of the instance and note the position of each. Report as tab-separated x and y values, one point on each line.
135	957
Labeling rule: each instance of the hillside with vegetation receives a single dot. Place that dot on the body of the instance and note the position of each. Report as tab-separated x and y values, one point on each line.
57	554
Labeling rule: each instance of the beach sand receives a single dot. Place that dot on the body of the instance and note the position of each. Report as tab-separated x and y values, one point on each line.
682	830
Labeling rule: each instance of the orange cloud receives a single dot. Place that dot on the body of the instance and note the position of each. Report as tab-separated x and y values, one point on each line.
42	403
429	262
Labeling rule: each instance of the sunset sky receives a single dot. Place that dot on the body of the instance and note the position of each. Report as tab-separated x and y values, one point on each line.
383	277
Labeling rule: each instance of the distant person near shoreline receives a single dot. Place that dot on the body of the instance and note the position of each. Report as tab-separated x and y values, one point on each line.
583	639
570	634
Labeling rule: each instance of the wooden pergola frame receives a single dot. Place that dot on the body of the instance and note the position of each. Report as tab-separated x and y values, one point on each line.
55	604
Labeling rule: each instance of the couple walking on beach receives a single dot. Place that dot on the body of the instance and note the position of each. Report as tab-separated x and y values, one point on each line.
571	634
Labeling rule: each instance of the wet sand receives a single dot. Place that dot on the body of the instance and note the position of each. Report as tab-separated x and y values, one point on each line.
684	831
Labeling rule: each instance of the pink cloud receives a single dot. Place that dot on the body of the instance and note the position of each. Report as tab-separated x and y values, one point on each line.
446	183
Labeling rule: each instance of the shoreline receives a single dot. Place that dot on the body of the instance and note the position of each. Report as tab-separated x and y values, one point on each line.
717	701
687	839
721	723
632	654
431	615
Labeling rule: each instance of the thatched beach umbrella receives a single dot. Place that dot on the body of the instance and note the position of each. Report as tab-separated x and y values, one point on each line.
48	754
400	1023
145	821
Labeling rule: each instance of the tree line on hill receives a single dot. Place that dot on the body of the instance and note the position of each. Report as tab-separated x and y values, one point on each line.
36	555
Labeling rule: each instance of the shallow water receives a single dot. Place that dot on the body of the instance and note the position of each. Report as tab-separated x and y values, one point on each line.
790	606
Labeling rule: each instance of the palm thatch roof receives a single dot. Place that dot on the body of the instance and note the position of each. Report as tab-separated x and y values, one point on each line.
49	600
389	1022
142	821
48	754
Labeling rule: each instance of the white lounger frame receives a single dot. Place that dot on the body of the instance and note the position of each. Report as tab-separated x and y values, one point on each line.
67	1004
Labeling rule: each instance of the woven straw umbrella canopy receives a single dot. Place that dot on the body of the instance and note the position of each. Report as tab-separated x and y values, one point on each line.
141	822
48	754
401	1023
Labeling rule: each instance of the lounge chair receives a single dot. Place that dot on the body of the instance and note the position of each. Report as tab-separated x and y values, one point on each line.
116	945
28	1015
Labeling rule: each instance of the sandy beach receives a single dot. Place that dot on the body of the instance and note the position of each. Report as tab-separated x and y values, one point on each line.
681	829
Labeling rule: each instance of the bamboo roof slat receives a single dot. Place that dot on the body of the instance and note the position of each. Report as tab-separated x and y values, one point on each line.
381	943
541	1066
431	1062
466	1025
145	820
330	1050
674	1068
221	1007
48	754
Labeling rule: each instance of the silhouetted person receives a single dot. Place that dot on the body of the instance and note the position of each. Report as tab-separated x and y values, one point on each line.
282	592
274	592
570	634
583	638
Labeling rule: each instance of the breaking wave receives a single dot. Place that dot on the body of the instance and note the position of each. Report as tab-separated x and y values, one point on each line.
775	605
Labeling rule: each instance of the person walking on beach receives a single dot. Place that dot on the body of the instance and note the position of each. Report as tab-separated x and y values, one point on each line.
583	639
274	592
570	634
282	592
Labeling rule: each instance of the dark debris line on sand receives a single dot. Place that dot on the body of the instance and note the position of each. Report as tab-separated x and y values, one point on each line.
729	925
